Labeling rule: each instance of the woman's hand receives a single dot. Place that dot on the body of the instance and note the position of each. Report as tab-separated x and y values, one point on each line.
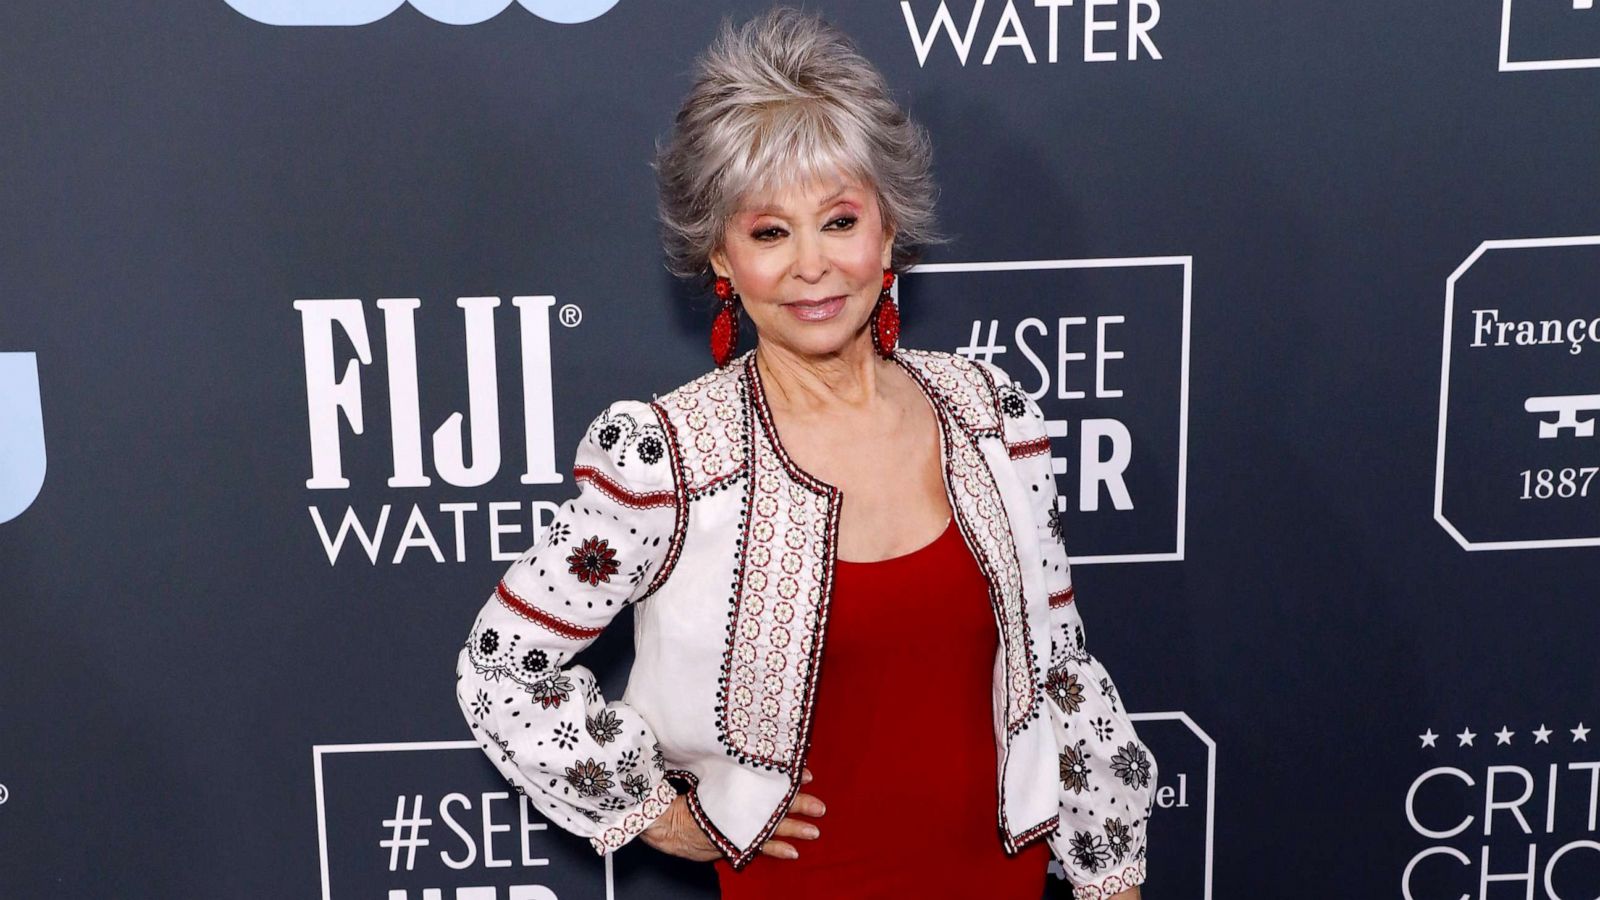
790	827
677	833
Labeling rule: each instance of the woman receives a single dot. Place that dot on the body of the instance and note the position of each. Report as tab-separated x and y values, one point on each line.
843	556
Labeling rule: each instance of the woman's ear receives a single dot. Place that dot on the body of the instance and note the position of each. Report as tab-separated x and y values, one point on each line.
719	263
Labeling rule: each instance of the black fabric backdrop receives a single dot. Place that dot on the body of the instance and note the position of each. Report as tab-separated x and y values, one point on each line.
1347	583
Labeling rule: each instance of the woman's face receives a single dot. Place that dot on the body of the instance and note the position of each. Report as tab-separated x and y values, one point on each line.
808	264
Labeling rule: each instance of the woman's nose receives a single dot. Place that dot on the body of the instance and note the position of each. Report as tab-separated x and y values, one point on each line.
811	262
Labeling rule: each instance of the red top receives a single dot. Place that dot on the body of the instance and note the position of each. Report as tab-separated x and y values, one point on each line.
909	662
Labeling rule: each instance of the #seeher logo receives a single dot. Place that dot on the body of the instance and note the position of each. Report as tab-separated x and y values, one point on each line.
450	12
21	434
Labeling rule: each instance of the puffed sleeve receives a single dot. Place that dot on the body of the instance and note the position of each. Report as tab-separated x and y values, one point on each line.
1107	775
591	766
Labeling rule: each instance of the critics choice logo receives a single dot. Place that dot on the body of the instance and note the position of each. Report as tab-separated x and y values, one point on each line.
1103	346
451	12
432	821
1046	31
1539	35
1518	451
343	392
1504	813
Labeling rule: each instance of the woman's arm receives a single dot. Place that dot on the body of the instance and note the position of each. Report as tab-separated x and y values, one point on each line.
591	766
1107	775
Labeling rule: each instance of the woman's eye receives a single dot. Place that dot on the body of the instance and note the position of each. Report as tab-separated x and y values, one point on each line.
767	234
844	222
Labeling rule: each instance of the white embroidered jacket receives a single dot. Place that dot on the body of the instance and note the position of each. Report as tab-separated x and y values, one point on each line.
690	511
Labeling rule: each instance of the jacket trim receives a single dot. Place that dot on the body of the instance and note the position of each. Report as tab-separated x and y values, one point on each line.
619	493
680	511
974	506
539	617
1061	598
779	607
1017	842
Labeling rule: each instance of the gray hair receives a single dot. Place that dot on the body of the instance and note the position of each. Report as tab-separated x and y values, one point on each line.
785	98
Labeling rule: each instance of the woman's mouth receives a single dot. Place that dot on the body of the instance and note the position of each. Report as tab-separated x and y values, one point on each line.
816	310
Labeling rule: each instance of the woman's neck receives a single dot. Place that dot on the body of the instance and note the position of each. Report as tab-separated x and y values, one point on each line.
807	385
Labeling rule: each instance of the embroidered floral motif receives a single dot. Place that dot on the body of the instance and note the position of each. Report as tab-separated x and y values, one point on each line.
590	777
1011	403
560	532
534	661
1074	769
1056	530
639	572
1064	688
637	786
1103	729
604	727
565	735
650	450
1132	765
481	704
551	692
1089	851
1117	838
593	561
489	642
608	435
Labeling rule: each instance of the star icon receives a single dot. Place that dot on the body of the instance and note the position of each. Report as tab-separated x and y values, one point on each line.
1580	734
1466	737
1541	735
1428	738
1503	736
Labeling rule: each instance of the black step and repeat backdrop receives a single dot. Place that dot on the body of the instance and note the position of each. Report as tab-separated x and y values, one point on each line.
305	303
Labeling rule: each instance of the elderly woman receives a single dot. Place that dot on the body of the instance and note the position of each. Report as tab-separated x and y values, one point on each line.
859	670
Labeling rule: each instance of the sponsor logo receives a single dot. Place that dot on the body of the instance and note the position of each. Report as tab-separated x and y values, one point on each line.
336	399
450	12
22	455
1103	346
1519	393
1111	30
433	821
1515	808
1537	35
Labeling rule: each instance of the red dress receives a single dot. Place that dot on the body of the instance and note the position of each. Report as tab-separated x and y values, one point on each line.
908	663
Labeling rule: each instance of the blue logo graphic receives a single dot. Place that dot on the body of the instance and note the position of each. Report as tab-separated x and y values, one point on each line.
450	12
21	434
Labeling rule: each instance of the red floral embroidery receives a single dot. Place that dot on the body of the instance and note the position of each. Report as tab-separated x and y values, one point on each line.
593	561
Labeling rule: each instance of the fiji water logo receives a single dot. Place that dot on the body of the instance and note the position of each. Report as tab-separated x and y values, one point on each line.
450	12
21	434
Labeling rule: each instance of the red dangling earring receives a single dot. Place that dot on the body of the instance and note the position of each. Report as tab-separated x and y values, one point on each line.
886	319
725	327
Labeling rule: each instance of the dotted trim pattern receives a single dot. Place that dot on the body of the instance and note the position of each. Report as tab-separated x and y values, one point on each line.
559	626
654	804
1062	598
1130	876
